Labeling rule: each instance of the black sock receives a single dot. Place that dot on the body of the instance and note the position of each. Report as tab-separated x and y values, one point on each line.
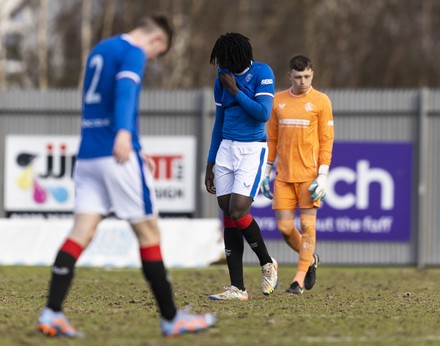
234	256
155	274
253	236
62	275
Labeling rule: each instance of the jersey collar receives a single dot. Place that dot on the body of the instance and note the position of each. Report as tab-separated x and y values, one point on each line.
245	70
307	92
128	38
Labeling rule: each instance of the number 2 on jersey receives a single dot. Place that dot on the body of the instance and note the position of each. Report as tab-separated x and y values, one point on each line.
92	96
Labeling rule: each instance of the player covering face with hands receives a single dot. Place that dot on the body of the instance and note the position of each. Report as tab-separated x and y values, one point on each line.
243	94
112	173
300	137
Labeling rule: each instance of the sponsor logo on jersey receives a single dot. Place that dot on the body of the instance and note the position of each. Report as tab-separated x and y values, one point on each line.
294	122
93	123
266	81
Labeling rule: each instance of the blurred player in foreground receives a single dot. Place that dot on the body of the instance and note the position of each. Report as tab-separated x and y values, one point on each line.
111	173
243	94
300	134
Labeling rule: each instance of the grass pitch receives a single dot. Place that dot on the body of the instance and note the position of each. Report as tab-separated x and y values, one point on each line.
348	306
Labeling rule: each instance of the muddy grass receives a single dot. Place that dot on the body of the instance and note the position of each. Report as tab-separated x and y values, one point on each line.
348	306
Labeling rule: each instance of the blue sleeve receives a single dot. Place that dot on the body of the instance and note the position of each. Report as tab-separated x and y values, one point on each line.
218	92
128	85
260	108
217	130
126	101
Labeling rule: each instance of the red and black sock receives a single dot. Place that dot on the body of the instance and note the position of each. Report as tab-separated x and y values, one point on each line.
234	252
156	275
252	233
62	273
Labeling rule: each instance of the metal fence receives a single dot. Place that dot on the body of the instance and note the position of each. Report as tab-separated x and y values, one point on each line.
360	115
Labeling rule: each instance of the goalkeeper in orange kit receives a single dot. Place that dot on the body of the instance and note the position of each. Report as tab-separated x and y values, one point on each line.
300	136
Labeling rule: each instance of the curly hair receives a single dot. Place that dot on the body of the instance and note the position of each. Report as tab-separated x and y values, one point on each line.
232	51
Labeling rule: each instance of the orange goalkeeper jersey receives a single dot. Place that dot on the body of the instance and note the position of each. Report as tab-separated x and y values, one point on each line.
300	134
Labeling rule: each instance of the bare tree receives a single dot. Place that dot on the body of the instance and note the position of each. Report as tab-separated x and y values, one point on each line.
349	41
86	35
426	41
42	45
109	17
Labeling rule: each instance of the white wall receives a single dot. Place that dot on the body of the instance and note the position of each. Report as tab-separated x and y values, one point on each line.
185	243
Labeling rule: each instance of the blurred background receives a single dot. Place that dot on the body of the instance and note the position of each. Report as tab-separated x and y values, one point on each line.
353	44
375	59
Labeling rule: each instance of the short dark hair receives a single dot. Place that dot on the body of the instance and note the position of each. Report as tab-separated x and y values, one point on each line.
148	23
300	63
232	50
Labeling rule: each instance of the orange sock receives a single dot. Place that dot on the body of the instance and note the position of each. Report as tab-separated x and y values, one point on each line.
290	233
308	228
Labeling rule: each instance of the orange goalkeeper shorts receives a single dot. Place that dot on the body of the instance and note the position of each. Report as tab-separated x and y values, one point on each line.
287	196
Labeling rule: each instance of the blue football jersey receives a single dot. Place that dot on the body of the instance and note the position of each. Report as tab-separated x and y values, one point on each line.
112	84
243	117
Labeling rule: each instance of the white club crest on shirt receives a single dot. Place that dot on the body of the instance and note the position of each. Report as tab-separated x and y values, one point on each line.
308	107
248	77
281	105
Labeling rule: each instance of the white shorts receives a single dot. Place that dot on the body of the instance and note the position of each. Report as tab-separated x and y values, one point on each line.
103	186
239	167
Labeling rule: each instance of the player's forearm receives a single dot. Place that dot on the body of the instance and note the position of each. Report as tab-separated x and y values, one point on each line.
325	155
272	147
125	105
216	135
325	147
326	139
260	109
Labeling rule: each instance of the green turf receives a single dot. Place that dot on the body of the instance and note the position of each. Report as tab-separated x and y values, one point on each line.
348	306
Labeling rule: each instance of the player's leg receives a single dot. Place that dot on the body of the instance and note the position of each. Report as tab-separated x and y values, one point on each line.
234	249
308	227
91	202
307	248
52	321
147	233
308	211
131	191
285	202
234	245
173	322
286	226
249	161
232	236
239	210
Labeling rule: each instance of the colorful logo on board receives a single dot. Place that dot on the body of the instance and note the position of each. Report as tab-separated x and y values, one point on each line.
56	167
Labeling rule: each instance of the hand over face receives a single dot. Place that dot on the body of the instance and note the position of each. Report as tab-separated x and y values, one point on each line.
229	83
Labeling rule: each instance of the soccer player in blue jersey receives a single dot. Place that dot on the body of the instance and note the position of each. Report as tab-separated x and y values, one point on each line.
112	174
243	94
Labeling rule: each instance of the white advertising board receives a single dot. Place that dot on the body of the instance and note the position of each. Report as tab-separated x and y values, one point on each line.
38	172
